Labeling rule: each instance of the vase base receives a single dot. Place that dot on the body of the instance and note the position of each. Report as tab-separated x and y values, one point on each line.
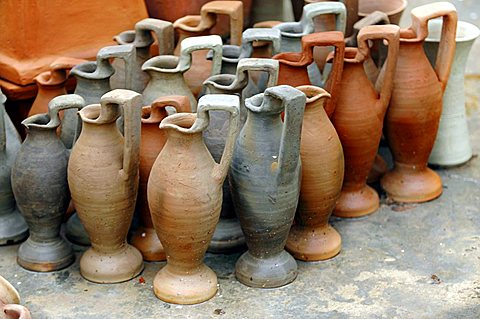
147	242
358	203
407	185
45	257
450	162
13	228
379	169
276	271
313	243
76	233
227	238
123	265
194	287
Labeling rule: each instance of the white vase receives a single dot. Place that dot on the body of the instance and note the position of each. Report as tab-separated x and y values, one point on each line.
452	145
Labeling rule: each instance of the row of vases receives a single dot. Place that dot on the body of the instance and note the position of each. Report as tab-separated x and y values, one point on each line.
119	149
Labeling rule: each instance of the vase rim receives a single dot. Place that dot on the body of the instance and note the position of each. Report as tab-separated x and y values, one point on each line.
402	4
466	31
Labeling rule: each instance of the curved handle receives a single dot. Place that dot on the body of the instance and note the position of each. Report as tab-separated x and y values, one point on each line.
156	111
251	35
227	103
189	45
131	103
3	137
391	34
293	102
374	18
16	311
446	48
233	9
126	52
163	32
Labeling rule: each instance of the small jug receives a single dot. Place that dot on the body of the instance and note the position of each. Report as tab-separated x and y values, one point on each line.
265	182
103	178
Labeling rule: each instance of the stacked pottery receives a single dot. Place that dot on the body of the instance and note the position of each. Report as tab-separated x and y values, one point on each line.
103	180
9	302
39	181
152	140
185	198
265	181
412	120
311	237
358	119
452	144
12	224
167	71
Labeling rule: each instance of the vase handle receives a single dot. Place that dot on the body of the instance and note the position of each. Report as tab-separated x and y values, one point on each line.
163	32
234	10
131	103
259	34
391	34
189	45
269	66
126	52
446	48
312	10
156	111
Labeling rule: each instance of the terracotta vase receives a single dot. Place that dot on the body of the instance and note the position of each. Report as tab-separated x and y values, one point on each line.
452	145
52	83
265	182
103	180
13	228
195	25
358	119
9	302
185	198
167	71
152	140
311	237
413	117
228	236
393	8
39	182
142	39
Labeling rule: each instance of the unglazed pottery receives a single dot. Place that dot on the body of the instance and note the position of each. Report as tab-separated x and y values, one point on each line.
358	119
39	182
200	25
103	178
142	39
9	302
228	236
326	23
452	145
412	120
167	71
152	141
393	8
12	224
185	198
265	180
311	237
374	18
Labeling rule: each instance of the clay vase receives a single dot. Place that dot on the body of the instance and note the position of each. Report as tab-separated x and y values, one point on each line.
9	302
13	228
265	181
413	117
452	145
358	119
103	179
167	71
228	236
198	25
185	198
152	140
51	83
142	39
39	181
393	8
311	237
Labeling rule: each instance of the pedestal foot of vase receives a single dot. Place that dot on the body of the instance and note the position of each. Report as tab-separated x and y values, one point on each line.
313	243
45	256
146	241
357	203
408	184
119	266
187	286
228	237
274	271
13	228
76	232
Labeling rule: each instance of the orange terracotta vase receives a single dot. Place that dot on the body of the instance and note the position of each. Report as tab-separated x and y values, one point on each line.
196	25
412	120
311	237
185	199
152	141
358	119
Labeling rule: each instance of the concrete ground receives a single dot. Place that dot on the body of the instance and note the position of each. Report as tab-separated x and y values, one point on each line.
404	261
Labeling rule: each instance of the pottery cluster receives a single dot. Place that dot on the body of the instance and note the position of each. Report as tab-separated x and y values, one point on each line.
221	147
